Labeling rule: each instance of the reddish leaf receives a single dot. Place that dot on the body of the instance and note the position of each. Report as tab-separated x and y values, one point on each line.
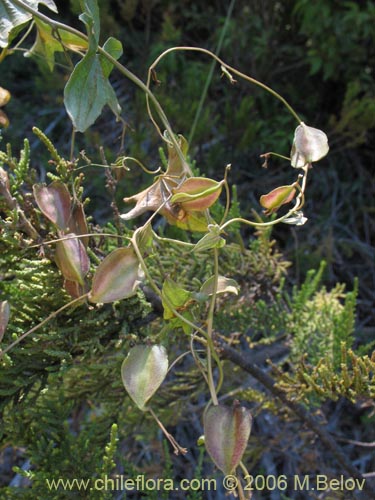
226	433
72	259
116	276
279	196
74	289
196	193
77	222
54	202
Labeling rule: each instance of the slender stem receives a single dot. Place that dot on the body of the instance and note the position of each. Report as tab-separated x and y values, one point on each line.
178	359
140	164
42	323
172	241
172	308
228	68
72	144
196	359
177	448
210	319
156	288
28	31
272	153
227	193
51	242
241	493
299	204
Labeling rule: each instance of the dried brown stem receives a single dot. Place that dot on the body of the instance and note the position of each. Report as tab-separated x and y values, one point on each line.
247	365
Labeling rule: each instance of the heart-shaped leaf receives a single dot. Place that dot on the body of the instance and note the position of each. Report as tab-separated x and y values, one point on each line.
54	202
116	277
310	144
226	433
143	371
72	259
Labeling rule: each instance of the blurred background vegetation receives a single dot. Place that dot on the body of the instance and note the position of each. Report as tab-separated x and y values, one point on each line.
320	56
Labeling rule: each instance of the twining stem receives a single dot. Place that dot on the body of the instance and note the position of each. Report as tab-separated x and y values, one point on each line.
299	204
226	67
42	323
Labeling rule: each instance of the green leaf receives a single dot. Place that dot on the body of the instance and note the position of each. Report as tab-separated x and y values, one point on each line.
224	285
48	42
116	277
175	296
114	48
91	18
12	17
210	240
143	371
87	92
